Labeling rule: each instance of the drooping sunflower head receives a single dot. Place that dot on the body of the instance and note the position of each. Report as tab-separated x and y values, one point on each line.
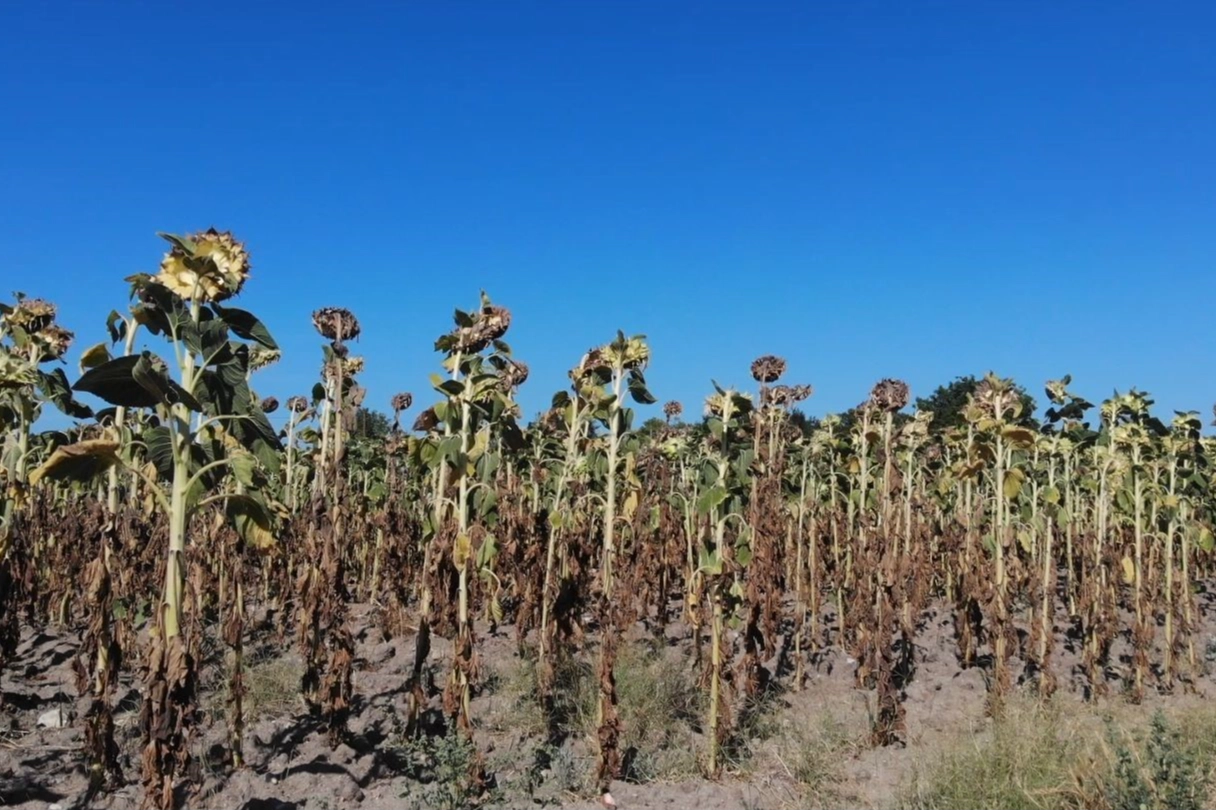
889	395
627	353
489	324
768	369
209	266
994	398
260	357
31	314
297	404
591	365
1057	390
336	323
515	374
54	341
427	421
270	405
784	396
727	403
401	401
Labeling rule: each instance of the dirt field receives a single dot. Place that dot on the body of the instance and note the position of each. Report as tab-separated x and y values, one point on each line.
799	748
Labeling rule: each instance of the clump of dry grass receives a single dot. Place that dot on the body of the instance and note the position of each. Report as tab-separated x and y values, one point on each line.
812	755
1066	755
273	687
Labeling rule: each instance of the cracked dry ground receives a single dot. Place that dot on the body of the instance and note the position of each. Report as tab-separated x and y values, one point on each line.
804	747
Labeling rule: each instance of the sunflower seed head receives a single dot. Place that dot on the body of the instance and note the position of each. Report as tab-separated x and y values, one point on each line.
889	395
216	270
768	368
54	340
336	323
402	401
31	314
489	324
515	374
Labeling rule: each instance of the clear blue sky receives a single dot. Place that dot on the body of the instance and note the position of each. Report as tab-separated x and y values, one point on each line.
870	189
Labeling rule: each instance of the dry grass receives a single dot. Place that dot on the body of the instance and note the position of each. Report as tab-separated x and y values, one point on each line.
659	703
1067	754
273	687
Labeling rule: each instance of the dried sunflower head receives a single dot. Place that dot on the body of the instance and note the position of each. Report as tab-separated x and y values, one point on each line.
427	421
717	404
54	341
627	353
768	368
784	396
260	357
489	325
270	405
1057	390
336	323
515	374
553	421
593	363
889	395
995	398
348	367
402	401
215	270
297	404
31	314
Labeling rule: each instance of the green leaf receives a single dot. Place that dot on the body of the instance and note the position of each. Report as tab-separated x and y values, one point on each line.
186	245
150	374
116	325
113	382
94	356
638	390
55	388
160	309
160	450
244	467
246	325
711	499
